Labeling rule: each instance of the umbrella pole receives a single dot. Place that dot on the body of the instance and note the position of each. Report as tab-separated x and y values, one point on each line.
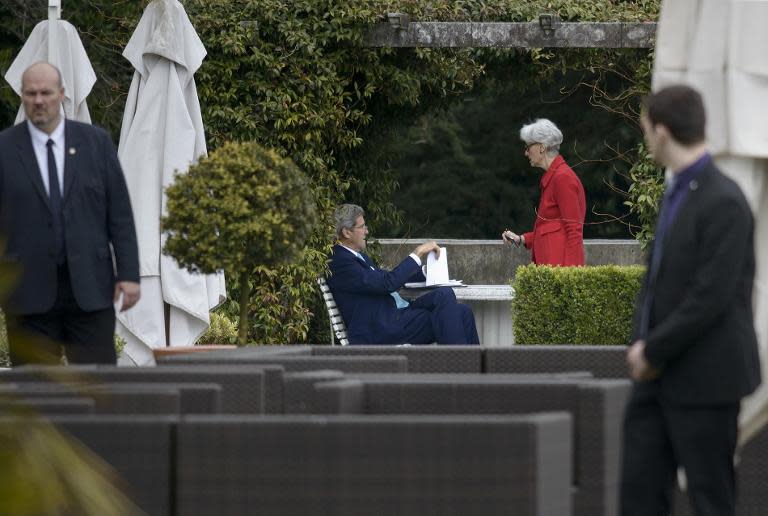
54	14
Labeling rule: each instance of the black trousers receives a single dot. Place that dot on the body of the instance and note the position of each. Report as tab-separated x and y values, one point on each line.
659	437
87	337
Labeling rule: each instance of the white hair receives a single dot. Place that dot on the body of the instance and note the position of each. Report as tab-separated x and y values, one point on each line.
345	217
544	132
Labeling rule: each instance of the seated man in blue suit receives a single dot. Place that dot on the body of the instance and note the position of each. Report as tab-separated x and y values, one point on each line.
368	300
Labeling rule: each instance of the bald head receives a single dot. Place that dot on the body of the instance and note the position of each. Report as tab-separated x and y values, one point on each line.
42	93
42	69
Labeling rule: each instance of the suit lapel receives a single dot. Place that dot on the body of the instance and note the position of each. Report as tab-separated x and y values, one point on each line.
368	262
690	206
29	161
73	153
342	251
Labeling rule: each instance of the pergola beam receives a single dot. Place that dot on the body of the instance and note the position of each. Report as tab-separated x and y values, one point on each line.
542	34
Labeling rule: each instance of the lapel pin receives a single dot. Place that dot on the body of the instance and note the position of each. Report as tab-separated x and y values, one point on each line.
72	151
694	185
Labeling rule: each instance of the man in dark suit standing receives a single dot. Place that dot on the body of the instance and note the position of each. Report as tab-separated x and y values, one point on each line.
694	351
367	295
64	212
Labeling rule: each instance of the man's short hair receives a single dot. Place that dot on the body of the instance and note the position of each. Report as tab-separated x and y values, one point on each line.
345	217
680	109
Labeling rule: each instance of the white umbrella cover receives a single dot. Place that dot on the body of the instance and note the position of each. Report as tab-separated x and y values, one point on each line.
162	132
76	71
720	48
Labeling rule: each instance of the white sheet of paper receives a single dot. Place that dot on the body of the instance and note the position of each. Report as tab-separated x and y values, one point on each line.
437	268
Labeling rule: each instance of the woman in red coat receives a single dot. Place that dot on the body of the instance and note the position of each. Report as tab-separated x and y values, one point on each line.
557	236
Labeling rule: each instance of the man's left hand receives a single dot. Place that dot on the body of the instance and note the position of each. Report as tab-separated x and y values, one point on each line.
639	368
424	249
131	294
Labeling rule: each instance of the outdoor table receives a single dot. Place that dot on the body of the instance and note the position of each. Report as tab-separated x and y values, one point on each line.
491	305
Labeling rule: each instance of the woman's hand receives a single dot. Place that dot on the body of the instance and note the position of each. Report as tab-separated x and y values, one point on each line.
510	238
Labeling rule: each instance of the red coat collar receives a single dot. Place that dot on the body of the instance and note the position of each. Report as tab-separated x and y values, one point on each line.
550	173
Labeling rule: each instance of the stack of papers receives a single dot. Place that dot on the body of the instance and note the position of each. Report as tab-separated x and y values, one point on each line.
437	272
437	268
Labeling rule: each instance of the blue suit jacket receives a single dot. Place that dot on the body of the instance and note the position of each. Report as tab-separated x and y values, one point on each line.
97	215
363	295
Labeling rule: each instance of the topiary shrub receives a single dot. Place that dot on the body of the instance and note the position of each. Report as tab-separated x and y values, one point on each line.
575	305
241	208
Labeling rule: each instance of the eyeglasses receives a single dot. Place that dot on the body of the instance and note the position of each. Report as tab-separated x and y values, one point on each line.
361	226
528	147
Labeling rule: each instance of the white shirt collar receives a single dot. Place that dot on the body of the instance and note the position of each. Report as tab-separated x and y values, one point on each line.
356	253
41	137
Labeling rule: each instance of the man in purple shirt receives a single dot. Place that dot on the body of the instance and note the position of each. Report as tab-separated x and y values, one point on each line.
694	352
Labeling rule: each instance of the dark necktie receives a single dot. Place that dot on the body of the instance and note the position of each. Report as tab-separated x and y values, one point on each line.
54	193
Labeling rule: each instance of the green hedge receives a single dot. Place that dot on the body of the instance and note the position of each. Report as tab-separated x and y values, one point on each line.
575	305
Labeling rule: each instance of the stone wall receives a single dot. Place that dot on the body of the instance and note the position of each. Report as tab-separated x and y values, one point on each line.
490	262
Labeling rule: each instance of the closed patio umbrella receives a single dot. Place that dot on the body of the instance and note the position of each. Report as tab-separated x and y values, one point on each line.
720	47
65	51
162	132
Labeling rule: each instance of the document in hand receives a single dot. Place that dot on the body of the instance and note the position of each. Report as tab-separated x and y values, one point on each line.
437	268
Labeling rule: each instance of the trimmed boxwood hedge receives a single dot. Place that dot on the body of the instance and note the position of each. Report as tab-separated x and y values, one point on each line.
575	305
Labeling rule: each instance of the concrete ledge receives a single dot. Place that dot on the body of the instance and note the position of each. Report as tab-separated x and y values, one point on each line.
485	293
514	34
491	262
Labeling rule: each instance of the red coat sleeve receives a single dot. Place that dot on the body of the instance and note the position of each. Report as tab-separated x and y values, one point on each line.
571	201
